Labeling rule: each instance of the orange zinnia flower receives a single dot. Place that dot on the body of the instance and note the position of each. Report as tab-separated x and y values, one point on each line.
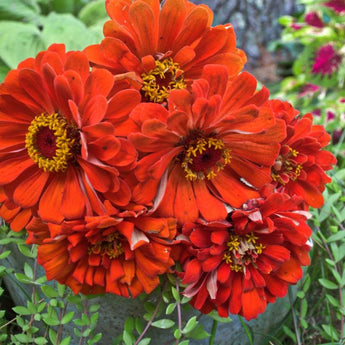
214	145
105	254
58	151
241	265
300	167
165	46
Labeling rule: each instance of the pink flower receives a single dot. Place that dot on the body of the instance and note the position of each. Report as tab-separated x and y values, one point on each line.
309	90
313	19
326	61
336	5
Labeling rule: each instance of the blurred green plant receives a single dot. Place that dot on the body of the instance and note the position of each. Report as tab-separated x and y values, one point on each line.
29	26
317	86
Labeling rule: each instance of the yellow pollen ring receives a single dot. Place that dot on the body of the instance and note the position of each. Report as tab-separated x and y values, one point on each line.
200	147
241	251
57	124
166	69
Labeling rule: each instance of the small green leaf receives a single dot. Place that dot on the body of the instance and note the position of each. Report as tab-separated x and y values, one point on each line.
21	310
6	253
41	341
49	291
198	333
163	323
191	324
214	314
175	294
65	341
129	324
328	284
145	341
177	334
28	270
184	342
52	336
96	338
67	318
170	308
23	278
127	338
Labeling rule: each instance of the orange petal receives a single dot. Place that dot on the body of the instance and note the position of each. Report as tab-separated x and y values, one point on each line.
290	271
232	190
73	200
209	207
32	83
192	29
11	168
171	18
29	190
143	22
78	62
50	202
94	110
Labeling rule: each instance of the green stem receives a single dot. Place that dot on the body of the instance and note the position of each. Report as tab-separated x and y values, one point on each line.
213	332
246	329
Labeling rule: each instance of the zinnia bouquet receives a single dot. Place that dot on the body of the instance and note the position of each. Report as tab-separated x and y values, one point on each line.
154	152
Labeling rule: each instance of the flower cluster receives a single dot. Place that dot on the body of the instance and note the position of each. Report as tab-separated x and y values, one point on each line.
152	148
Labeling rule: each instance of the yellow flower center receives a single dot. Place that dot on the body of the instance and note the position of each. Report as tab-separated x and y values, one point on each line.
204	158
286	167
242	251
158	82
110	246
51	143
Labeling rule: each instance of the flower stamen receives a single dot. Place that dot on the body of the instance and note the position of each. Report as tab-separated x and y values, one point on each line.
242	251
286	167
158	82
204	158
110	247
49	142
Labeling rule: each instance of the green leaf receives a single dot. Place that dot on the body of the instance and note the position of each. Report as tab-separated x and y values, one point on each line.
191	324
340	235
95	339
163	323
93	12
127	338
170	308
23	338
26	250
177	334
129	324
331	332
65	28
21	310
28	270
41	341
214	314
6	253
184	342
198	333
65	341
144	341
19	41
175	294
327	284
139	325
67	318
26	10
49	291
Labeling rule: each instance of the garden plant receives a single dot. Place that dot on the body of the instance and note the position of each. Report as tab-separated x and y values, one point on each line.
138	158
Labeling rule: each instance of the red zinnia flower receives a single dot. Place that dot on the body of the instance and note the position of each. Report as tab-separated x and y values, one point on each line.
165	46
105	254
59	154
239	266
212	146
299	168
326	61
